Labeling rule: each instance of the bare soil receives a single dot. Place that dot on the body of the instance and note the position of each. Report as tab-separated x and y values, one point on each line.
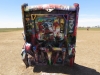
87	61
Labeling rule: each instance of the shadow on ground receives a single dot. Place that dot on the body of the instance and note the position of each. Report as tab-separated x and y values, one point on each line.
76	70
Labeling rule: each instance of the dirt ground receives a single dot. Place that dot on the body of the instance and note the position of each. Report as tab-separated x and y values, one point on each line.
87	61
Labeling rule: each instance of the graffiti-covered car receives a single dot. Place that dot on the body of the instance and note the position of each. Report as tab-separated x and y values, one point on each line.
50	34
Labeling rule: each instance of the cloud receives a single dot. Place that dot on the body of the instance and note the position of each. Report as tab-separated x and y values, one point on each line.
84	20
10	21
88	20
88	15
10	24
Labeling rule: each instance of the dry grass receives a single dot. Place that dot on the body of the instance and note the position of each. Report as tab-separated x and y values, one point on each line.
87	56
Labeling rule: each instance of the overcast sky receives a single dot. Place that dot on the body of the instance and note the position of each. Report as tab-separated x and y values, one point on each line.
11	17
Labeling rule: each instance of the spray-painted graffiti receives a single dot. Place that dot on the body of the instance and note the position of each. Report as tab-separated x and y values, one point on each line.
51	6
52	34
49	24
71	23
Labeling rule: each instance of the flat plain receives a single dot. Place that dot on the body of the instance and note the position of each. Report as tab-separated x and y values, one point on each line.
87	60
